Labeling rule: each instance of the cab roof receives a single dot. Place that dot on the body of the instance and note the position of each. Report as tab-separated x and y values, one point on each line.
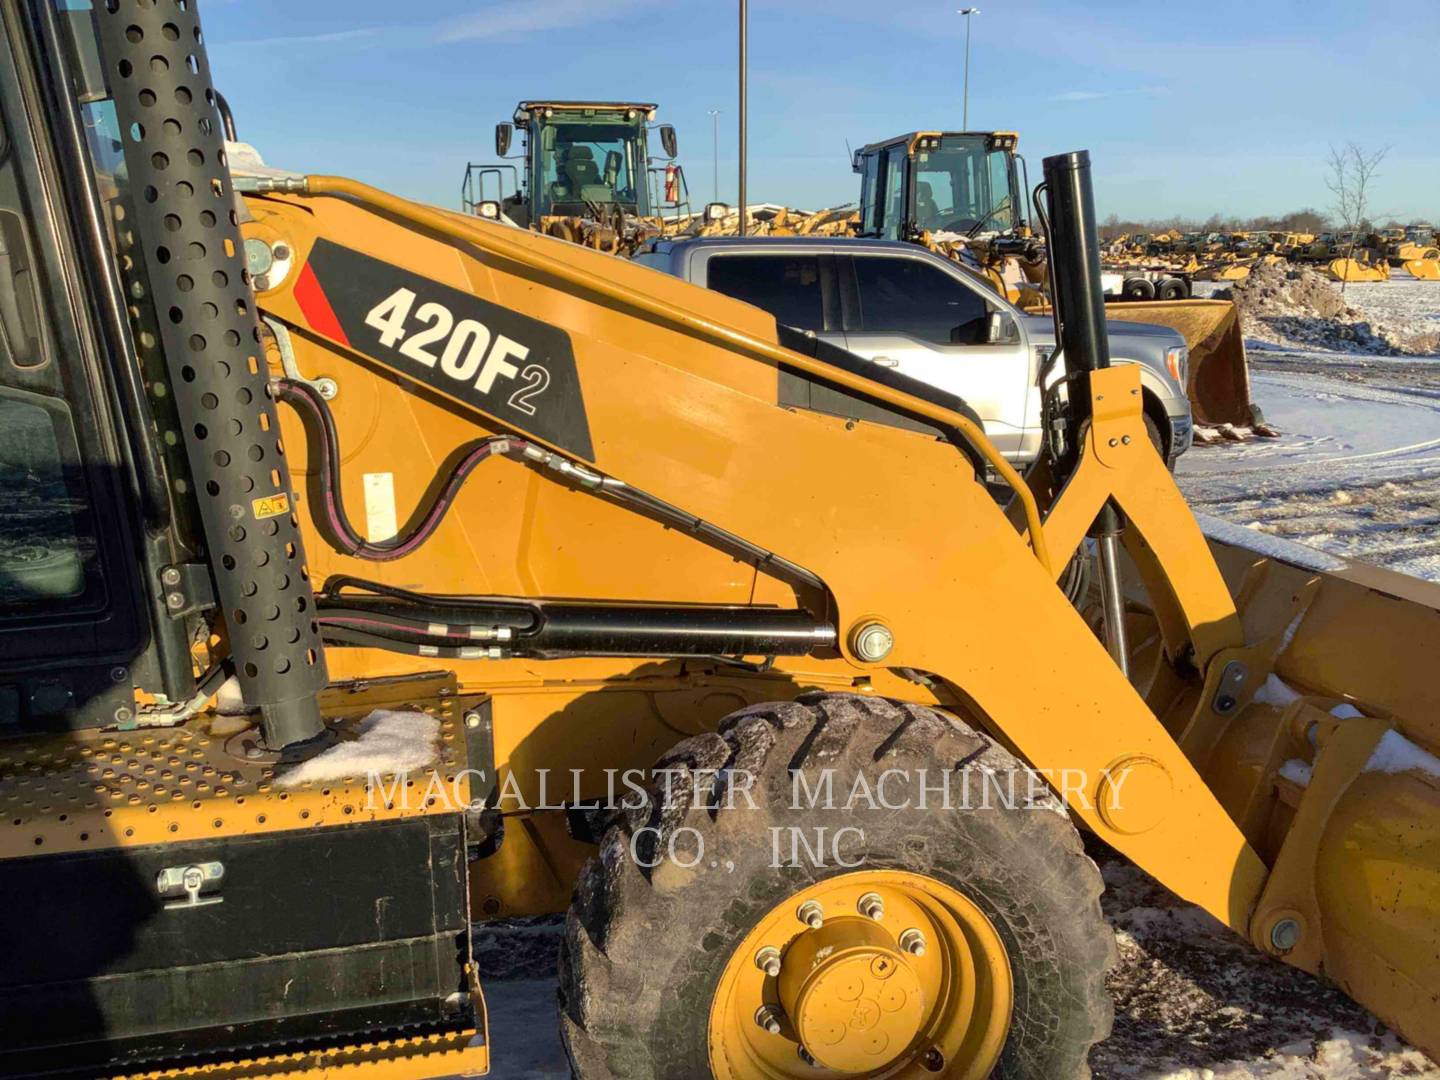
525	108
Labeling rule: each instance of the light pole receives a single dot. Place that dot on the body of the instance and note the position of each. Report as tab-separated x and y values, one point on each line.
715	154
967	12
744	34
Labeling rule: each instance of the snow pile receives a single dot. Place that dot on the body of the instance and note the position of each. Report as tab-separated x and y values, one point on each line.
1283	304
386	742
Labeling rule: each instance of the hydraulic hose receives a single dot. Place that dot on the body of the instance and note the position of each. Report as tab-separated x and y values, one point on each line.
308	402
493	240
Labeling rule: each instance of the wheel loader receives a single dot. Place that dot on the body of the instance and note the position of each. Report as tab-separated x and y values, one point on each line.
964	195
587	174
369	571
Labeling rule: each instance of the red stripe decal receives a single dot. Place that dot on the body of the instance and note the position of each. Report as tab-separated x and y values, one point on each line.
315	306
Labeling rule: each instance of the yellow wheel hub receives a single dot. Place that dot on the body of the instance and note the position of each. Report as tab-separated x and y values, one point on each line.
875	972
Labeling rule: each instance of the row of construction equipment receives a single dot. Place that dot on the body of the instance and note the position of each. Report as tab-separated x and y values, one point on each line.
964	195
371	572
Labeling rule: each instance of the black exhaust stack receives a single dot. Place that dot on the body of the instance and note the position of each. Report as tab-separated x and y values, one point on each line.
1079	301
1075	262
186	226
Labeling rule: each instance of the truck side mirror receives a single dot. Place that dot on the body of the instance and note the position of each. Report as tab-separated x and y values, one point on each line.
1001	329
668	142
503	132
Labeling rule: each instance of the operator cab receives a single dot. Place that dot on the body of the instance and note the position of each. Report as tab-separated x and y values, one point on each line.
949	184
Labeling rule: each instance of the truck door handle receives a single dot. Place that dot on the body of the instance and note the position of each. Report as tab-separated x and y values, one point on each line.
885	361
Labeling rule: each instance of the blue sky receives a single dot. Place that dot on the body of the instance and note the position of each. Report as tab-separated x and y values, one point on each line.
1195	108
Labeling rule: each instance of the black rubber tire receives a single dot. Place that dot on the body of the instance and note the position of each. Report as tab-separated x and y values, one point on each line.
1157	440
1172	289
1138	288
644	950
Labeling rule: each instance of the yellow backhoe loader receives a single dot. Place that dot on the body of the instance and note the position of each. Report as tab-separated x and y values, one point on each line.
964	195
369	570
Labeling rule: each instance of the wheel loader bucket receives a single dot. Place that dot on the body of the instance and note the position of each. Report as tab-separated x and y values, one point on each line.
1424	269
1219	380
1355	270
1320	738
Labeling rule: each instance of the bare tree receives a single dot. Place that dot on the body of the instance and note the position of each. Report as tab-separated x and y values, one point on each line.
1351	171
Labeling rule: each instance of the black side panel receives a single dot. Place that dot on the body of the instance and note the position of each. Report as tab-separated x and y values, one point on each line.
804	391
335	931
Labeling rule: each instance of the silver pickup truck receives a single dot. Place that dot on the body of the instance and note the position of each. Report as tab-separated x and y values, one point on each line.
903	307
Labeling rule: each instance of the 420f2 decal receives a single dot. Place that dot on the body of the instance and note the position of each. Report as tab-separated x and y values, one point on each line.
512	367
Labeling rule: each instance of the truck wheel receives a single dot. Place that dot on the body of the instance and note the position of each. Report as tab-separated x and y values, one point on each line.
965	939
1138	288
1172	289
1152	429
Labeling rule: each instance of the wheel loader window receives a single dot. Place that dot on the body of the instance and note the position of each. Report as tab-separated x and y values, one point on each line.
46	535
787	286
909	296
963	186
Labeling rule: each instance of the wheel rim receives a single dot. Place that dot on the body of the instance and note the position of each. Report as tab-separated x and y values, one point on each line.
849	993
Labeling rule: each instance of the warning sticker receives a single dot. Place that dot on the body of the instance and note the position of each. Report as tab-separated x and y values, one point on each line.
269	506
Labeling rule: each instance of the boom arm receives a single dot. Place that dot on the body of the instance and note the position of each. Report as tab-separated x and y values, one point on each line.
677	388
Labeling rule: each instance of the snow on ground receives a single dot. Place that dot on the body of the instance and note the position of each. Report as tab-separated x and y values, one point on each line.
1195	1002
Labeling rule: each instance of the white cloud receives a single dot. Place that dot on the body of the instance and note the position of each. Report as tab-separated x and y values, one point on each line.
514	17
1095	95
303	39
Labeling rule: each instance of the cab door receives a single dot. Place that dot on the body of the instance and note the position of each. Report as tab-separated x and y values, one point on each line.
916	315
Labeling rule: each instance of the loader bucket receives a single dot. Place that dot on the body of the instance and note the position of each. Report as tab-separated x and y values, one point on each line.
1355	270
1424	269
1320	739
1219	381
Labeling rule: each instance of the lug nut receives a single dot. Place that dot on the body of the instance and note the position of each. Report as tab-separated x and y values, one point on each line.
871	906
765	1017
768	960
912	941
811	914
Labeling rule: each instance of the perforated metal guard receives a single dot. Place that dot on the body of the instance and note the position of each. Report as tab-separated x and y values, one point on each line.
185	220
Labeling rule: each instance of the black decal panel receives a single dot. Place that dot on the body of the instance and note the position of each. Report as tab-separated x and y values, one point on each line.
519	370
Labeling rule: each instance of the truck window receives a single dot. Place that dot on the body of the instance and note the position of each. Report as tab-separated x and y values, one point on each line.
787	286
909	296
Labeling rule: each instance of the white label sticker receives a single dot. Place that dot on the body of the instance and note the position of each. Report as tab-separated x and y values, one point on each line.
380	507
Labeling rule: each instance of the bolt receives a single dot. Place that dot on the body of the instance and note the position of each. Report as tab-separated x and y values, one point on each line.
261	282
281	252
1114	442
765	1017
174	600
806	1057
1125	439
170	576
472	719
1224	703
254	752
873	641
933	1060
768	960
1285	934
871	906
118	674
123	714
327	388
913	942
811	914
